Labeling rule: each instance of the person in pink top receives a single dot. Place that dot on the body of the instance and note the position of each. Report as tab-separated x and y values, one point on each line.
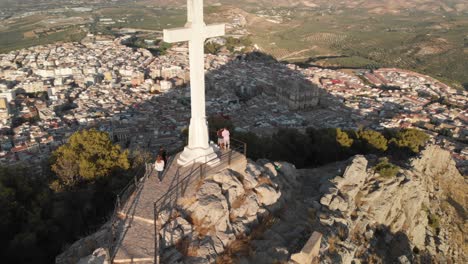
226	134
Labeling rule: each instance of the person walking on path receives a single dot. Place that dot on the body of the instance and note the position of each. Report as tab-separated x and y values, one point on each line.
226	140
159	166
220	138
163	153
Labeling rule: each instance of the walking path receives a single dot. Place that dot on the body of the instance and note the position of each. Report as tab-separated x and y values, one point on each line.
135	227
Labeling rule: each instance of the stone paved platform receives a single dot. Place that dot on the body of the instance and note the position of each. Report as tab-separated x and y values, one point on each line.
135	229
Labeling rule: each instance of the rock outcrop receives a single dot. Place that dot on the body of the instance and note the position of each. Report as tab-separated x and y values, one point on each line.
367	216
99	256
415	217
268	211
90	249
226	206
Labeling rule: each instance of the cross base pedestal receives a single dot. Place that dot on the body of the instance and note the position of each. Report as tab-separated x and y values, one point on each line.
201	155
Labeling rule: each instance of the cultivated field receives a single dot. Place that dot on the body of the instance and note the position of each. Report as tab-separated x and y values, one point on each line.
424	42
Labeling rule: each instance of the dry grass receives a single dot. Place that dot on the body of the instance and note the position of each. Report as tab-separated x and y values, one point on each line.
239	201
358	199
342	232
238	248
332	244
266	223
262	179
183	246
354	215
373	259
355	234
241	247
360	252
200	226
198	184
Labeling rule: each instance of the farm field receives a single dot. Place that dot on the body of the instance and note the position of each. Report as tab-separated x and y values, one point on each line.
427	43
424	39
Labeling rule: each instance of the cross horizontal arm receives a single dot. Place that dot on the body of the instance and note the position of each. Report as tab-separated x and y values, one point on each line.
176	35
185	33
214	30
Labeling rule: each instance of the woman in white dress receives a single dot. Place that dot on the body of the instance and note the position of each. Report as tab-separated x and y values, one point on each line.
159	166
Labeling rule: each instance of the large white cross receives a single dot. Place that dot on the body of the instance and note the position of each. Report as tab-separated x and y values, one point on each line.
196	32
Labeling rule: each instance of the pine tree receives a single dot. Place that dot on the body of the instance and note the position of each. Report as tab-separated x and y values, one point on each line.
88	155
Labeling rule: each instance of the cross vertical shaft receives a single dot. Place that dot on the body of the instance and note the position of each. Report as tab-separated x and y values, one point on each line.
196	32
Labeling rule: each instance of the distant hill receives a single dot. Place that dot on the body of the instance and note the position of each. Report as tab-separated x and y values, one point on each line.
374	6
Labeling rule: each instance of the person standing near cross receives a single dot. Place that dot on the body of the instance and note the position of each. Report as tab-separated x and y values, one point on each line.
196	32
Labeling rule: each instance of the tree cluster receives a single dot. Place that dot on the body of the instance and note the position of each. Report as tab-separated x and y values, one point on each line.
88	156
40	215
321	146
212	47
231	43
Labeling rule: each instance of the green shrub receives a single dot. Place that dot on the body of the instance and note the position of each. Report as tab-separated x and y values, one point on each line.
411	139
88	155
372	140
386	169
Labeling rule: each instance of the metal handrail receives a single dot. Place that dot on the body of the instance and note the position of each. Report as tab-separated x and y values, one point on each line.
137	181
157	205
121	199
193	172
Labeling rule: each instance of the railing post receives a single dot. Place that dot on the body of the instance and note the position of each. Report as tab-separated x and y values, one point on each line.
118	201
146	170
245	149
229	157
156	234
135	180
201	171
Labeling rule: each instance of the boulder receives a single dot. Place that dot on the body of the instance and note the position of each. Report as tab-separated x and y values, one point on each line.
403	260
170	236
208	248
165	215
355	173
249	207
174	231
240	228
232	187
99	256
85	247
209	188
267	195
270	170
249	177
289	172
211	208
326	199
225	238
338	203
254	169
171	256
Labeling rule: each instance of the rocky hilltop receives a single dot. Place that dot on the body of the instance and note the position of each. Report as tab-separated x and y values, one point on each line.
415	217
267	212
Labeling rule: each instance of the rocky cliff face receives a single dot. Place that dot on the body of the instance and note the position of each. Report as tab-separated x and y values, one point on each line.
265	213
227	207
410	218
